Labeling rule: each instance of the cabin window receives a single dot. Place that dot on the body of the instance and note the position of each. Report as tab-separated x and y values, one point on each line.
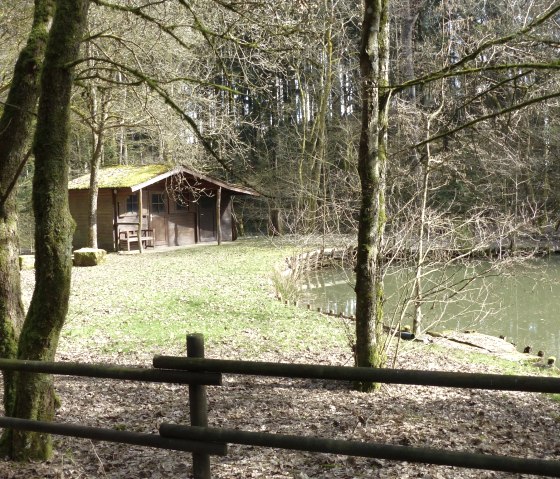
158	203
132	204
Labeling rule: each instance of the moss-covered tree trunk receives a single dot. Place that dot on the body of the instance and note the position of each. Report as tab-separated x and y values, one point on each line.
16	123
372	165
35	397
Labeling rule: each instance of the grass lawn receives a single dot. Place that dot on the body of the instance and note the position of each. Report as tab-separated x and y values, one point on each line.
148	303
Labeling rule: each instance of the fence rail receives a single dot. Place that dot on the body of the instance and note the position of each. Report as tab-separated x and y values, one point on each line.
109	371
113	435
203	441
345	373
364	449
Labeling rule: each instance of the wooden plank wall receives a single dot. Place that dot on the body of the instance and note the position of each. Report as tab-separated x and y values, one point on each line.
79	201
226	219
105	220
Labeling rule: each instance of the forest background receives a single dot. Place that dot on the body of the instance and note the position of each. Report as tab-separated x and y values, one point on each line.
274	90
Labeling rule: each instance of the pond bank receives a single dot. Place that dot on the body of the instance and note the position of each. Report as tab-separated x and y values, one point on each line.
345	256
517	300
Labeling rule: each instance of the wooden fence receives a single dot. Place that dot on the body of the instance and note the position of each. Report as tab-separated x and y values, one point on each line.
203	441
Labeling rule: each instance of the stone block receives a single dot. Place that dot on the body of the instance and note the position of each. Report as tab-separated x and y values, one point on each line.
26	261
89	256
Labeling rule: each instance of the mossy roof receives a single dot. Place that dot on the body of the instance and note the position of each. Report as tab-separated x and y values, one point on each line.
137	177
124	176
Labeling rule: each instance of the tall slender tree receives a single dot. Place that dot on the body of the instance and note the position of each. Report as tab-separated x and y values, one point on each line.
372	168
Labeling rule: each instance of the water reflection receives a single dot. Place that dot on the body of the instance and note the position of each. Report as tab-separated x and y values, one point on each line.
522	302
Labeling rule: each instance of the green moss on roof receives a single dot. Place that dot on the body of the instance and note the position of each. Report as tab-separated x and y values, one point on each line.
125	176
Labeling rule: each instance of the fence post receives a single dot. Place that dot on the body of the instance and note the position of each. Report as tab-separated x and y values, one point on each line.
198	406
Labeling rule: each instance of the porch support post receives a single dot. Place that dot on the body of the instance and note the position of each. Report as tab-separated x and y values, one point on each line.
218	215
115	221
140	214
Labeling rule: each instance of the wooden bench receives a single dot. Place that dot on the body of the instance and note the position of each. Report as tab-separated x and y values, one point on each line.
131	236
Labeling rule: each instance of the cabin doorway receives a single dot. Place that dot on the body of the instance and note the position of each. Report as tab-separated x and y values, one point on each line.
158	217
207	218
181	222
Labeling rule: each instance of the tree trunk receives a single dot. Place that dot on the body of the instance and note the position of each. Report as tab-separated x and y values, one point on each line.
219	215
410	17
422	247
312	162
319	132
418	293
94	193
35	397
140	218
98	112
15	131
372	167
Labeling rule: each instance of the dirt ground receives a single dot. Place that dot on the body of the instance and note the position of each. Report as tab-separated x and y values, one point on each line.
504	423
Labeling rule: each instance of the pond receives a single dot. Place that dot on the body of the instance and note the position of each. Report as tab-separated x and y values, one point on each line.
520	301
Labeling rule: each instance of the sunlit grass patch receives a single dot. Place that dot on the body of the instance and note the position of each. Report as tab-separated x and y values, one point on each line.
151	301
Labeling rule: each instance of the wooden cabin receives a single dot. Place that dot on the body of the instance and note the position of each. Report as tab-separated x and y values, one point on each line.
179	207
